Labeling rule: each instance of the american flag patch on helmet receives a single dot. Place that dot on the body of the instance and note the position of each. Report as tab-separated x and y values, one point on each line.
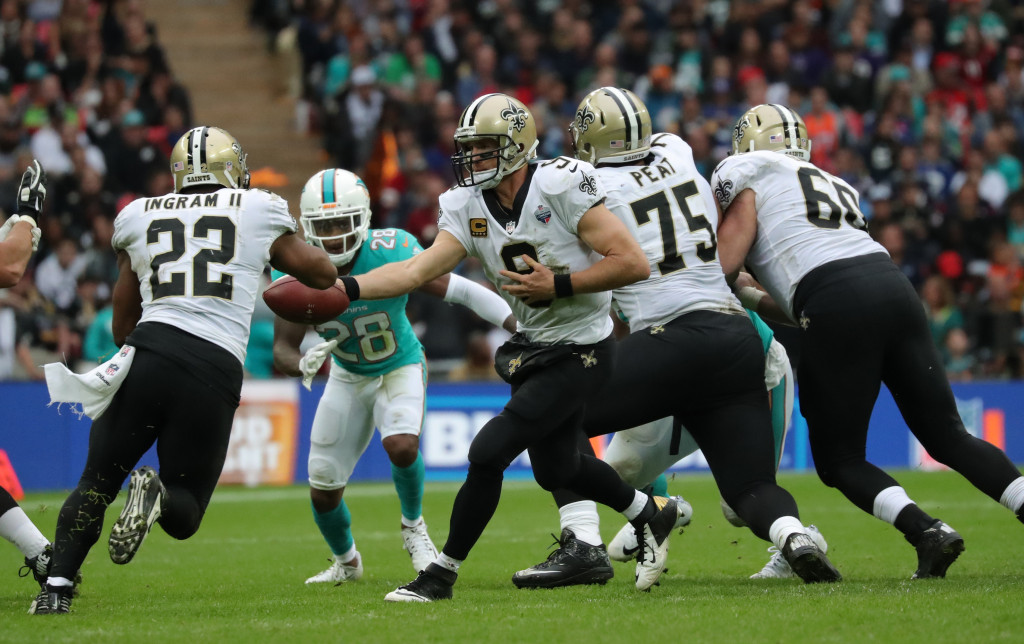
178	166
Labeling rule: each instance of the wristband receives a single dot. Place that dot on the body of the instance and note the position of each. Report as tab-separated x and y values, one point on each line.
563	285
750	297
351	287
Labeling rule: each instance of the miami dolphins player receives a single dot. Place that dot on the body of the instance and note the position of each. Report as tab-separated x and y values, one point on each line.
378	370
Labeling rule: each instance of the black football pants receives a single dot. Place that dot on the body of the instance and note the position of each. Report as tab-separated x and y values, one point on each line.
544	417
862	324
162	402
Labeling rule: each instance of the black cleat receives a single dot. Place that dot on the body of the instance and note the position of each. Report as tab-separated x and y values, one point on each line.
937	549
145	496
39	566
808	561
52	600
433	584
573	563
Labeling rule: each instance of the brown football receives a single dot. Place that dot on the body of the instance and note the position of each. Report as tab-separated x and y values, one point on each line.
294	301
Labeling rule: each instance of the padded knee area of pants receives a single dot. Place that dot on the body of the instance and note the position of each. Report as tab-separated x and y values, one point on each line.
325	473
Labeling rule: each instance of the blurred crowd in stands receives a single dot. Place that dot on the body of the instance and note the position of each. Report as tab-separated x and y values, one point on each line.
919	104
84	88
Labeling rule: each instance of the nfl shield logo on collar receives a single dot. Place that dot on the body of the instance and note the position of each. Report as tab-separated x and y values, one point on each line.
543	214
510	227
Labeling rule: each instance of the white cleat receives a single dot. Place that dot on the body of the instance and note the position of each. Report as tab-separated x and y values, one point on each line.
339	572
653	553
417	543
623	546
778	568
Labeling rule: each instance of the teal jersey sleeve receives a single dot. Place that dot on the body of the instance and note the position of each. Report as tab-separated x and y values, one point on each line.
376	335
762	330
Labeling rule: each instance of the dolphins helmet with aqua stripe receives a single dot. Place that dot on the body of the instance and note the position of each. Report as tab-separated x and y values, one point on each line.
334	211
499	127
208	156
612	125
772	127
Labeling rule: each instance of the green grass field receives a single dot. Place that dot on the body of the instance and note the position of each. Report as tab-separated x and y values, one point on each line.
241	577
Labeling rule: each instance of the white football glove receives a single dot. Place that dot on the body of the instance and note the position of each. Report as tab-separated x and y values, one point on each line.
13	219
310	363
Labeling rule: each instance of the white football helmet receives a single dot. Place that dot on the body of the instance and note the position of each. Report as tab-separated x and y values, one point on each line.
335	213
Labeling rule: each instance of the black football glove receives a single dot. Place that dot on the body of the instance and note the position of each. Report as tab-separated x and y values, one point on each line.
32	191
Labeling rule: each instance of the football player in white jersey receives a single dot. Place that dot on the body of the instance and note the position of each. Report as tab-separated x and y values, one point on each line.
19	238
190	263
683	314
518	217
378	370
800	232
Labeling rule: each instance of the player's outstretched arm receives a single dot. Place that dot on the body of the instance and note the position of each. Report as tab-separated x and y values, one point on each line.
287	340
309	264
736	232
479	299
399	278
127	299
19	235
15	249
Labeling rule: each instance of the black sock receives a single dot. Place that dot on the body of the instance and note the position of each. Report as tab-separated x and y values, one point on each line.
912	521
442	573
645	515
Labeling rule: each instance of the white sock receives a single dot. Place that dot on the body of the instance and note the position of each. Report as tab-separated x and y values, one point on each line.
58	581
448	563
890	502
412	523
581	517
348	555
637	506
1013	495
16	527
782	528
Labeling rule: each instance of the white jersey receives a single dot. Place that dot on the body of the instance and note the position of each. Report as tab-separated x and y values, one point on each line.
199	258
557	194
805	218
668	207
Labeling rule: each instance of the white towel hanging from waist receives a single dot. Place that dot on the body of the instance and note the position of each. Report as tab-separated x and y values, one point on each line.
94	389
